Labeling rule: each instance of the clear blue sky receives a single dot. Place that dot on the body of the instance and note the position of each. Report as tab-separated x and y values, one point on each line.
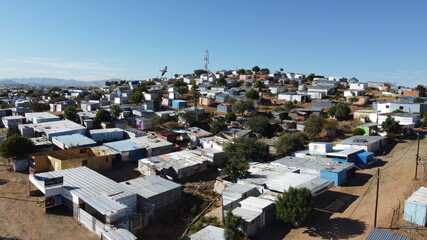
133	39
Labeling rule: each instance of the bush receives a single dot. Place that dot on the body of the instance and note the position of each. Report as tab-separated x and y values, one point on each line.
358	132
295	206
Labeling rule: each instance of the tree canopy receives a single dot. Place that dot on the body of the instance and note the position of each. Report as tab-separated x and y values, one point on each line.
233	226
390	125
265	71
16	146
136	97
39	107
313	126
199	72
358	132
340	111
241	152
419	100
94	96
295	206
231	116
115	110
289	143
252	94
102	115
70	113
221	82
241	71
256	69
259	124
242	106
217	127
259	85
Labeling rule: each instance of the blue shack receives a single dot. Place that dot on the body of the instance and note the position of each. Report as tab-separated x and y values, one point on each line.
128	150
178	104
416	207
359	157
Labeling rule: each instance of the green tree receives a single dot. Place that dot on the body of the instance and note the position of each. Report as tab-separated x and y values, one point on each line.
70	113
260	85
221	82
102	115
252	94
115	111
294	83
256	69
217	127
172	125
340	111
156	121
398	111
54	89
289	143
242	106
422	89
265	71
390	125
313	126
241	71
13	130
288	106
93	96
39	107
259	124
295	206
195	95
199	72
231	116
418	100
136	97
188	116
16	146
179	83
241	152
353	99
358	132
233	226
182	90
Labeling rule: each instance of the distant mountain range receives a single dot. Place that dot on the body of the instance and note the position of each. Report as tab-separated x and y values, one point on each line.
53	82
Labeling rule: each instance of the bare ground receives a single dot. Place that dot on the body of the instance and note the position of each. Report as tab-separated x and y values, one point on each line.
347	212
22	218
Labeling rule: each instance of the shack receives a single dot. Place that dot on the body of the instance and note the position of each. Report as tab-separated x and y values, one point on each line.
73	140
107	135
128	150
416	207
367	143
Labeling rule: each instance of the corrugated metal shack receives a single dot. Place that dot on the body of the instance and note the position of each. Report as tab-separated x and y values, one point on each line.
128	150
153	145
40	117
208	233
51	129
367	143
326	168
97	201
232	195
256	213
416	207
380	234
175	165
154	191
107	135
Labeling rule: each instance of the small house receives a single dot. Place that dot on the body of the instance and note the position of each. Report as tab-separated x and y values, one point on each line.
40	117
166	135
73	140
223	108
128	150
12	121
178	104
208	233
195	134
277	89
367	143
143	123
153	145
292	96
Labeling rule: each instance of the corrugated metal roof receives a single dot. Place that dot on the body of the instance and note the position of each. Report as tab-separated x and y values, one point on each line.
208	233
247	214
151	142
255	203
75	140
419	196
150	186
361	140
379	234
283	182
104	205
118	234
94	131
314	163
124	145
85	183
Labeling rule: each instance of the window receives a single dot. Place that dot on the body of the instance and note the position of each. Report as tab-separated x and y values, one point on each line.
84	163
387	106
401	107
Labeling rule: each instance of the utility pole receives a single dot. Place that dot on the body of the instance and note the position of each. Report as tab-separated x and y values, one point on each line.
376	200
418	152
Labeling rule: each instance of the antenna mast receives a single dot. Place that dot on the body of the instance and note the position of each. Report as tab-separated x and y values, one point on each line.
206	60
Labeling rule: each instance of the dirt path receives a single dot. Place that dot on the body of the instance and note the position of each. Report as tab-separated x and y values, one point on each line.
22	218
397	182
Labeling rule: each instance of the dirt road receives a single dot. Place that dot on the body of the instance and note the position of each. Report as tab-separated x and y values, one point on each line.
349	213
22	218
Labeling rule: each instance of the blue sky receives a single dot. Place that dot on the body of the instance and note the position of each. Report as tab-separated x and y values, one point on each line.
134	39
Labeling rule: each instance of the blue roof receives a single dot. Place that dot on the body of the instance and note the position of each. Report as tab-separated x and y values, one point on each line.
124	145
75	140
364	154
